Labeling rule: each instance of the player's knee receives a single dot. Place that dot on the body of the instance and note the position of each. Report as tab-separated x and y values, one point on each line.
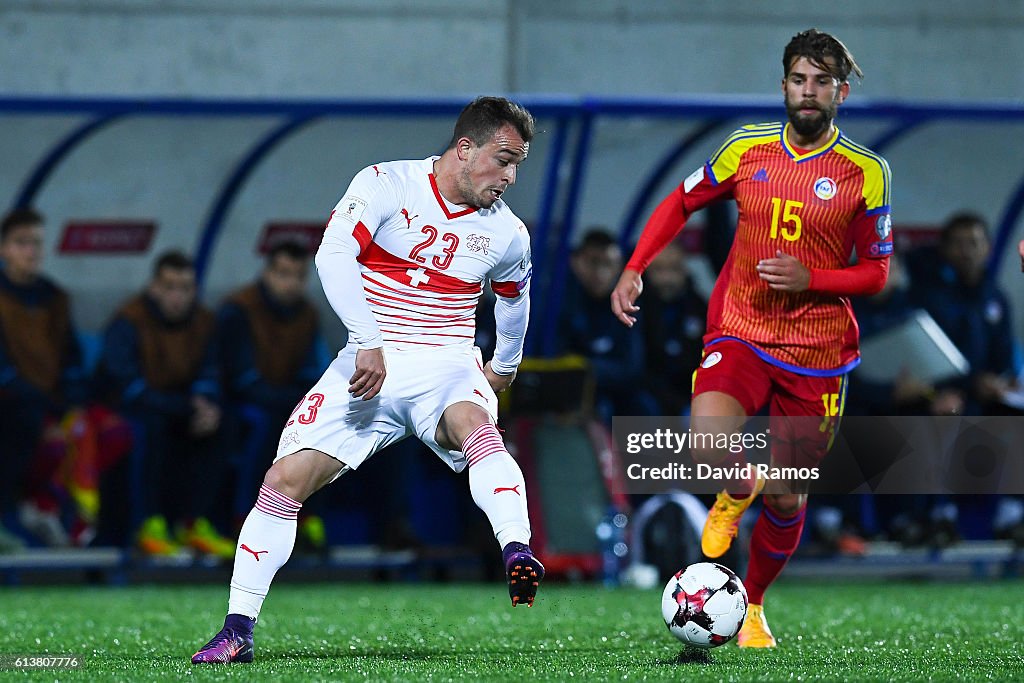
458	422
287	476
785	504
301	474
277	478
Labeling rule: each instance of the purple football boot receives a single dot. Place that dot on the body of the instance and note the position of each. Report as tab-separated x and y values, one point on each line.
524	573
232	644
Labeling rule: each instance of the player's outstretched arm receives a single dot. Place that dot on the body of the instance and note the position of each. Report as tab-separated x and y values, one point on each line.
624	296
1020	250
665	222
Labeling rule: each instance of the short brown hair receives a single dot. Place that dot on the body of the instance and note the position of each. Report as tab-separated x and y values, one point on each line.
483	116
819	48
18	218
174	260
293	249
960	221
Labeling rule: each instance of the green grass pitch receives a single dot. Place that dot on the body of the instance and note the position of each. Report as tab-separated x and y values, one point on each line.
827	631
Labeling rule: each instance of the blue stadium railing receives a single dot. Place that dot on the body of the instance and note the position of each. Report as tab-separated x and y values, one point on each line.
551	237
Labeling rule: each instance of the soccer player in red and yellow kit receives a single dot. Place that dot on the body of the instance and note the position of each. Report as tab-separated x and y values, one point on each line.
780	330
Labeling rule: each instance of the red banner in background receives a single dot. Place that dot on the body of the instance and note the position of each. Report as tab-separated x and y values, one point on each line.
107	237
307	234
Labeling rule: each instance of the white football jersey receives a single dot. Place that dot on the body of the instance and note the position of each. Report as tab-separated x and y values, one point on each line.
424	261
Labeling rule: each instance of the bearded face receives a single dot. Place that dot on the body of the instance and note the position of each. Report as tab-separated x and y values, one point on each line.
809	117
812	97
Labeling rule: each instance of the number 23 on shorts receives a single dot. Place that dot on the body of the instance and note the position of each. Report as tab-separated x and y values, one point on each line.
312	403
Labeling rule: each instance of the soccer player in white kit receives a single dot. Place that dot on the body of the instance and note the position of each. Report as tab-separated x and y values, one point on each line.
404	260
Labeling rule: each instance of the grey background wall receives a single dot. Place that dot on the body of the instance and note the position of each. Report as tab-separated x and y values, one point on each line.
169	169
269	48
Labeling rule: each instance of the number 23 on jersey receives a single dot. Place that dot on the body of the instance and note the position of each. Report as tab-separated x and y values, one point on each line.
451	241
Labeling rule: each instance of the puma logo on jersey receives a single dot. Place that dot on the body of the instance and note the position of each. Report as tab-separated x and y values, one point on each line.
477	392
408	218
513	489
255	553
379	172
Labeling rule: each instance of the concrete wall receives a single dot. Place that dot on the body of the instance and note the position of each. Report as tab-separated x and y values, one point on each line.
170	169
267	48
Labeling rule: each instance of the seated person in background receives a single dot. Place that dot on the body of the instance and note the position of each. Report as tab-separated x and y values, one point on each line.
586	328
158	367
906	395
673	326
41	375
972	311
267	349
485	336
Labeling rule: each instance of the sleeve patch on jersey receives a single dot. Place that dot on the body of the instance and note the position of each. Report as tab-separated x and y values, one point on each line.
693	179
880	249
883	226
521	285
525	263
350	208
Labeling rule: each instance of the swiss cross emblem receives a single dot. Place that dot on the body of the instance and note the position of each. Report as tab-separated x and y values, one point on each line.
417	277
478	243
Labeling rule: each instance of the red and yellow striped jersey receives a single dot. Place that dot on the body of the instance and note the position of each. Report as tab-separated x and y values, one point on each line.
817	206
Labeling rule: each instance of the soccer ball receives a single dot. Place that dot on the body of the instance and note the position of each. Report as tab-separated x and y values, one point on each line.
704	605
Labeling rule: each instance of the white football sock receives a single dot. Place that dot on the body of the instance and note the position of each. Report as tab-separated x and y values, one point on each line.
264	545
497	485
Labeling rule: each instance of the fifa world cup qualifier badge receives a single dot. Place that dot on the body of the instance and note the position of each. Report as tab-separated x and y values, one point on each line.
350	208
883	226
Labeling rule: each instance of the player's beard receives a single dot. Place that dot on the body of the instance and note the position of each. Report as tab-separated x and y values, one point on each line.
481	200
813	126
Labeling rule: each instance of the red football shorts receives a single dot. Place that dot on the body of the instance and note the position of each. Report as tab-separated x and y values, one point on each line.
733	368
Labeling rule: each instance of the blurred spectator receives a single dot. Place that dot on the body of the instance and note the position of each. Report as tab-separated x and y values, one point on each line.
485	336
905	395
158	367
719	232
913	519
40	372
673	325
972	311
268	349
616	353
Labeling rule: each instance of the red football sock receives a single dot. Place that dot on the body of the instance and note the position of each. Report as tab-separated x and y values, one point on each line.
774	539
737	488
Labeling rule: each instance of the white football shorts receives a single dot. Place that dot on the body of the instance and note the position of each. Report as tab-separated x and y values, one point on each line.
419	385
